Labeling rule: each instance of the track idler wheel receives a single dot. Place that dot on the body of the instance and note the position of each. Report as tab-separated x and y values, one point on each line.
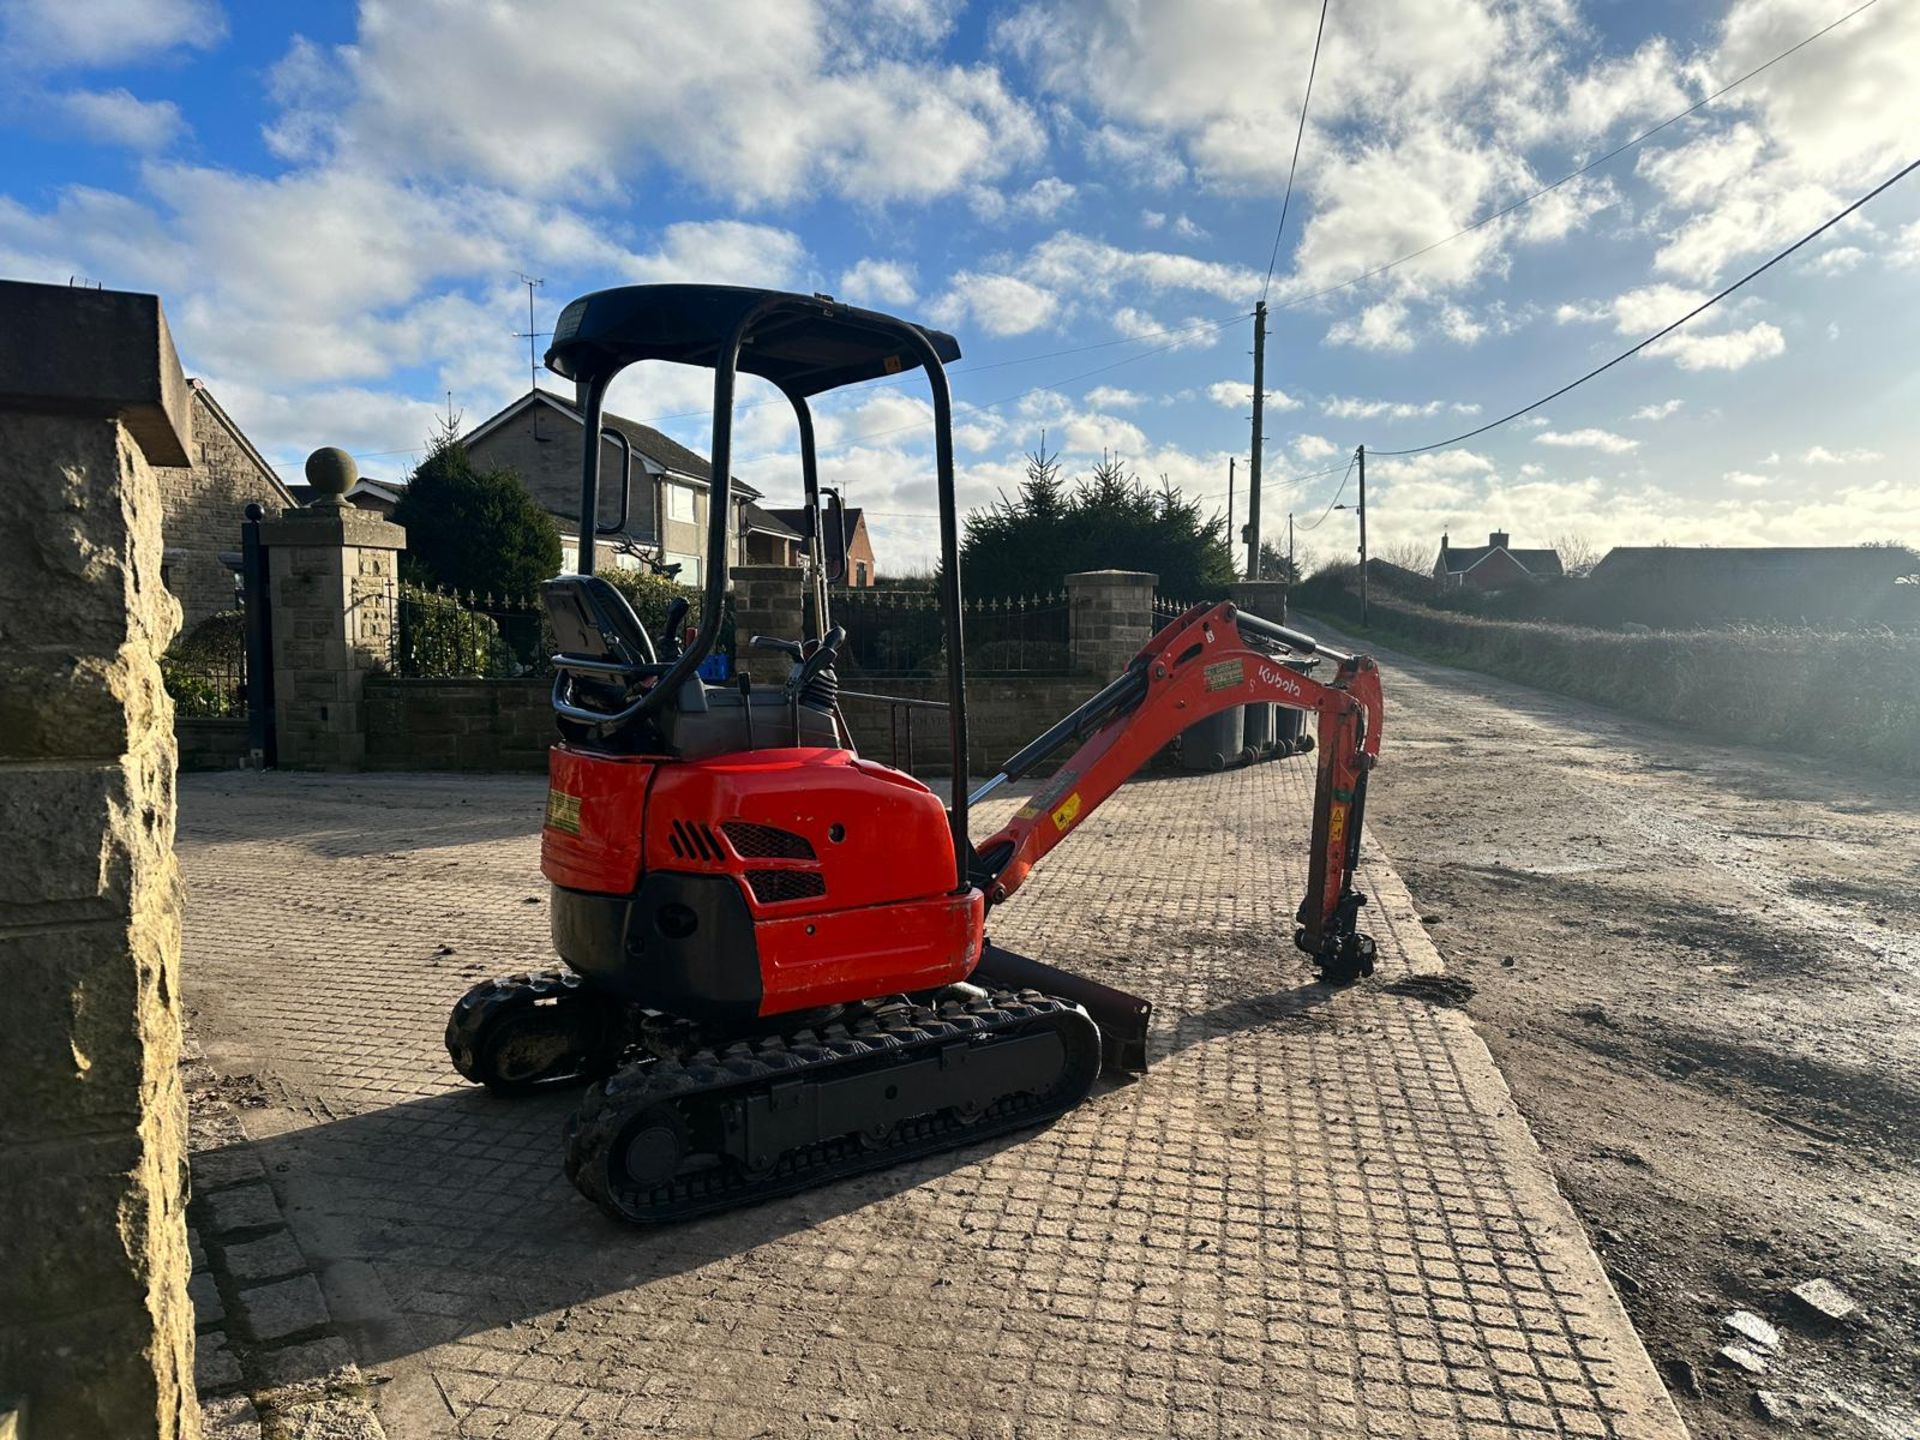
515	1033
1350	964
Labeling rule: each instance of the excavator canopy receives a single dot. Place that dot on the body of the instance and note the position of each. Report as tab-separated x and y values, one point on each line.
818	344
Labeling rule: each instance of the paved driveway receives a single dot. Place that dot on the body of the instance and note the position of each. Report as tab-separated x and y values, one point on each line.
1318	1215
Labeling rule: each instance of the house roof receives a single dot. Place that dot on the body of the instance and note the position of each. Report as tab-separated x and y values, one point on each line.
768	522
1462	558
383	490
796	517
225	421
661	452
1750	561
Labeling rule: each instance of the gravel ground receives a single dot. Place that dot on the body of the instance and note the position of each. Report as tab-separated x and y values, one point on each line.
1698	967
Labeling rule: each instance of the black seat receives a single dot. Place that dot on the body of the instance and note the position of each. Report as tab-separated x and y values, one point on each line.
592	621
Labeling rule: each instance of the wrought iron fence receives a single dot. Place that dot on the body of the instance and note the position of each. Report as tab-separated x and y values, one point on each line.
901	632
1165	608
445	634
205	684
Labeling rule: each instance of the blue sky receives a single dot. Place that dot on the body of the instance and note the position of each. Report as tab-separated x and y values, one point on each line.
334	200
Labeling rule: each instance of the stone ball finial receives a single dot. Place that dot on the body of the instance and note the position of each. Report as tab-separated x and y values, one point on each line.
331	472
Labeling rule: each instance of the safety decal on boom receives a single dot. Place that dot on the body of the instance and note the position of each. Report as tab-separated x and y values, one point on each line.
1225	674
563	811
1044	798
1064	816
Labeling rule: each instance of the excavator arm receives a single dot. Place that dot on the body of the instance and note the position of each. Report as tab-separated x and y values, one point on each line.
1210	658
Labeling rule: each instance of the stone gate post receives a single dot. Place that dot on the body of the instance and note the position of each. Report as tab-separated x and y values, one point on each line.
1112	613
335	600
767	600
96	1332
1265	598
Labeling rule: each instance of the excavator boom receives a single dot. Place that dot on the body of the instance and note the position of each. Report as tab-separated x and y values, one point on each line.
1210	658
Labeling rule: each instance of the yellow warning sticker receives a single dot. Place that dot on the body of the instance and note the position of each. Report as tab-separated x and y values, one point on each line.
563	811
1337	825
1225	674
1068	811
892	364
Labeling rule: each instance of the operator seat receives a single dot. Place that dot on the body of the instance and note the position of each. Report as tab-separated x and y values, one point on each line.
595	627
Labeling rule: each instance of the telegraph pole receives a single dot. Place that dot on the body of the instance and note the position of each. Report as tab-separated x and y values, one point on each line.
1363	534
1292	572
530	334
1259	411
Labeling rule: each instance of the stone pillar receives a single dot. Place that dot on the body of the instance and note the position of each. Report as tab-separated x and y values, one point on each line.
96	1332
768	600
1265	598
1112	614
334	573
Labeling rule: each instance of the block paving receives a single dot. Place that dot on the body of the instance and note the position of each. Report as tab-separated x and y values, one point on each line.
1317	1215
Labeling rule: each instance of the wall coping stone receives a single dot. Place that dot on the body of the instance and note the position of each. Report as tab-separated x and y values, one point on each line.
69	350
339	529
1114	577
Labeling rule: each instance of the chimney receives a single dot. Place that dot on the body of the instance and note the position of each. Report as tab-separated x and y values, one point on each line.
1498	539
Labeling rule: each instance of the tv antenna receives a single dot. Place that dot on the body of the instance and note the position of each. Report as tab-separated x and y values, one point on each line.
530	335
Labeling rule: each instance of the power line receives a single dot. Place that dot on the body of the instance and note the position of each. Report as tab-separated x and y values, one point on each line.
1617	151
1754	273
1336	496
1287	199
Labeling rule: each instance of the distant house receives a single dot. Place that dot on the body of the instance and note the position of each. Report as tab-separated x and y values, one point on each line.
769	540
861	572
1675	585
1495	565
203	504
538	438
379	496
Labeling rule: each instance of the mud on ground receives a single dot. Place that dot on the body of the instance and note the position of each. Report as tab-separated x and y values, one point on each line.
1699	968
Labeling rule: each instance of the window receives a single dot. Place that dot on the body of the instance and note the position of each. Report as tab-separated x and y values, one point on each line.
689	567
680	503
859	572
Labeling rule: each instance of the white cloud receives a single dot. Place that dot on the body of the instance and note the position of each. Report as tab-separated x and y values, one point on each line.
1381	326
1238	395
1354	408
116	117
758	103
1309	448
1728	350
61	34
1837	261
1747	479
1112	397
1696	345
871	281
1192	333
722	252
1588	439
1820	455
1658	411
1000	305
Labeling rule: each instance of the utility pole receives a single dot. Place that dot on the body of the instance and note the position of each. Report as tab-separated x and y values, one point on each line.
530	334
1259	412
1363	535
1291	571
1232	460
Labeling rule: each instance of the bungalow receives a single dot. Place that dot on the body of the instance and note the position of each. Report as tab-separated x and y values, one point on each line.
1494	565
860	572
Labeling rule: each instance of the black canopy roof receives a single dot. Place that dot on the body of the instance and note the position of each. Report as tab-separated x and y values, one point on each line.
815	344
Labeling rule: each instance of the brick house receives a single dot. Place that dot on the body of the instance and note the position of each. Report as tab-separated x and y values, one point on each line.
203	505
1495	565
538	438
861	572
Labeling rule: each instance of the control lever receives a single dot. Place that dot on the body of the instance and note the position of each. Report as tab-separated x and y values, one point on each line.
792	649
746	702
670	634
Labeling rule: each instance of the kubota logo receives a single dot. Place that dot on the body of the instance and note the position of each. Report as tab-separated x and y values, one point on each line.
1281	680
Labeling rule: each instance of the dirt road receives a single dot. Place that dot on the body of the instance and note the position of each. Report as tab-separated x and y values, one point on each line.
1699	967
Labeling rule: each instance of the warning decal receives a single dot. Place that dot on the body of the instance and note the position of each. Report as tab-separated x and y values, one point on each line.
1069	809
563	811
1224	674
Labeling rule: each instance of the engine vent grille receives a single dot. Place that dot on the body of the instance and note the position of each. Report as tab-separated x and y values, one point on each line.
764	842
770	887
694	841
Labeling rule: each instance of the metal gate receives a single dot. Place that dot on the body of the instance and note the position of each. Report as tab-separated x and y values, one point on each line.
256	592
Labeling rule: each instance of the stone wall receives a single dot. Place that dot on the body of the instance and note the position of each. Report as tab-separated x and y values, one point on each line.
1002	716
95	1328
204	505
210	743
458	724
767	600
1112	612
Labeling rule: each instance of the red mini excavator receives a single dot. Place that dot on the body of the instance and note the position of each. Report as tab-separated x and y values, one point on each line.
778	970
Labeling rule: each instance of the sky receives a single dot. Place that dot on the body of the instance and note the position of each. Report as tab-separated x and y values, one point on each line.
336	202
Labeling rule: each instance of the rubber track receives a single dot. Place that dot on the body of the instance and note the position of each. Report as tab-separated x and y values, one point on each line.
492	1001
877	1034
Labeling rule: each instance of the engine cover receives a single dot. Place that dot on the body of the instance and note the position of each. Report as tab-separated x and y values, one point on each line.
754	883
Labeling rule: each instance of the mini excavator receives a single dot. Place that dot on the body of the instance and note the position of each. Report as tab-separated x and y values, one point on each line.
777	965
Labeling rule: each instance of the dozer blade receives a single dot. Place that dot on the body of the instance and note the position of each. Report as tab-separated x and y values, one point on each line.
1122	1018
